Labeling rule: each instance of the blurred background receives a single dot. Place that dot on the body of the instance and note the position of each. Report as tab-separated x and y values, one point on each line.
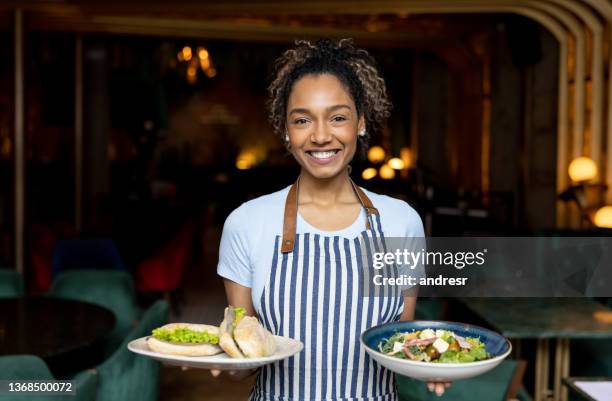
130	130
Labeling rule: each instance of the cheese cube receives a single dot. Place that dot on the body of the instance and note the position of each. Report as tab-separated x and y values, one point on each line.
397	347
427	333
440	345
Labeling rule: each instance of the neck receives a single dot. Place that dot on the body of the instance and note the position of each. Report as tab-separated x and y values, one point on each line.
326	190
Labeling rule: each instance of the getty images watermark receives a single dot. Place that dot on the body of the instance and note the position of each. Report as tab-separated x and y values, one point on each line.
488	266
412	260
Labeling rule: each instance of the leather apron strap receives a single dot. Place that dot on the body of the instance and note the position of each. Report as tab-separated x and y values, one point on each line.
291	208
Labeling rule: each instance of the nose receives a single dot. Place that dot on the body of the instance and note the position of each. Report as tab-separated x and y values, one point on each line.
321	134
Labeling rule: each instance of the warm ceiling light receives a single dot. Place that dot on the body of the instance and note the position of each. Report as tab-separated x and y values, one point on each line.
582	169
192	76
603	217
245	160
406	156
396	163
210	73
376	154
369	173
386	172
243	164
187	53
205	63
202	53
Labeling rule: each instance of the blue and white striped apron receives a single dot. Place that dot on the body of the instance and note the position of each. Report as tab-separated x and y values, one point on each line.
314	293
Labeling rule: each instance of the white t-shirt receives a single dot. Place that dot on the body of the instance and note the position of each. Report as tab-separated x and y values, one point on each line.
249	233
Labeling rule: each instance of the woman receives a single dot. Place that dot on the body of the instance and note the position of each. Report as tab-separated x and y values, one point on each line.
290	257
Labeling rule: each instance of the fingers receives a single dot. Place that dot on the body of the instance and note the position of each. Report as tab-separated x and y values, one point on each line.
215	372
184	368
438	387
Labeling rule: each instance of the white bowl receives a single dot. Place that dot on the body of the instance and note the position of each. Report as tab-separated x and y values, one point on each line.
498	346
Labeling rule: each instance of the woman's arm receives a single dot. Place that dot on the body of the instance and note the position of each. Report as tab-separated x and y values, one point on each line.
409	305
239	296
410	300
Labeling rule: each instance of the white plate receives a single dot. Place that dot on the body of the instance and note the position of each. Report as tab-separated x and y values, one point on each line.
286	347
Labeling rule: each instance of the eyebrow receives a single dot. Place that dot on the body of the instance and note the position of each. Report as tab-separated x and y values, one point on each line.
329	109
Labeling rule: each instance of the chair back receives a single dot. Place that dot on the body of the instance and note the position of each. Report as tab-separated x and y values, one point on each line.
126	376
11	284
31	367
86	254
24	367
165	270
110	289
490	386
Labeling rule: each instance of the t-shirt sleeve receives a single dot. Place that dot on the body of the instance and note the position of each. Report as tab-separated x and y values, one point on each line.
413	240
234	261
413	224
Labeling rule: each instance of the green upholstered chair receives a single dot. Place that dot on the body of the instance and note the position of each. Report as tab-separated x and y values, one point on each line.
491	386
126	376
30	367
11	284
523	395
111	289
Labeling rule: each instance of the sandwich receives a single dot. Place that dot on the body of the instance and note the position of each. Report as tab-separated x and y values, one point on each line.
186	339
242	336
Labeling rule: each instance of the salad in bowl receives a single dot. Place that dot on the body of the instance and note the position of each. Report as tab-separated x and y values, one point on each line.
437	346
435	350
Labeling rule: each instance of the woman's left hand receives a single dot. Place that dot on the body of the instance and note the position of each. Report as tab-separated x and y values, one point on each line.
438	387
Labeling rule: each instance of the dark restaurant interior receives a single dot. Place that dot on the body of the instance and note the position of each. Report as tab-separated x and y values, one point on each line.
130	130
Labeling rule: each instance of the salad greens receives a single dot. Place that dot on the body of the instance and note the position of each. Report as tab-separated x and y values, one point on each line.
238	314
185	335
436	346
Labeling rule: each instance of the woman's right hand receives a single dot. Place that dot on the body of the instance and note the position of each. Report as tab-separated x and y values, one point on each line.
234	375
438	387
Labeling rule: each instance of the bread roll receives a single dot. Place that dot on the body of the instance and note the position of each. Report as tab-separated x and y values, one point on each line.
185	349
226	336
253	339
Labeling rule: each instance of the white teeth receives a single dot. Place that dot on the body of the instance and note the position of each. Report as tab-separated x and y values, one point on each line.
323	155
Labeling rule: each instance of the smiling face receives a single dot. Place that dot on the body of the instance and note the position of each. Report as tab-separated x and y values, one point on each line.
322	124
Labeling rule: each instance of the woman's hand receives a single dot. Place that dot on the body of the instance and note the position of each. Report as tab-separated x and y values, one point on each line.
438	387
234	375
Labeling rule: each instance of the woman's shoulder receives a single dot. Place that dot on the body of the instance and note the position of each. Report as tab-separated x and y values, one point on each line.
264	208
397	216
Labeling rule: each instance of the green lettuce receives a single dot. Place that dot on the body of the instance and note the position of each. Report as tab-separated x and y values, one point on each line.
473	355
185	336
239	313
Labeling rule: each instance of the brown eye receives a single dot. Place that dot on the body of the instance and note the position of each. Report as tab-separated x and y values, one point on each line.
300	121
337	119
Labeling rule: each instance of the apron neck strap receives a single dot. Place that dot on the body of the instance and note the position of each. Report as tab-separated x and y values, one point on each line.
291	208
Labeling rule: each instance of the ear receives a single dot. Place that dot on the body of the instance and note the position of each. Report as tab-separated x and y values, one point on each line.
361	126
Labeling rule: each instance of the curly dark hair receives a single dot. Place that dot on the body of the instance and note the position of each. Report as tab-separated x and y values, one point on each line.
353	66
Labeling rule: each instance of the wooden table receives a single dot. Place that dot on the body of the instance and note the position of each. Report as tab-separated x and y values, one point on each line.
67	334
544	319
